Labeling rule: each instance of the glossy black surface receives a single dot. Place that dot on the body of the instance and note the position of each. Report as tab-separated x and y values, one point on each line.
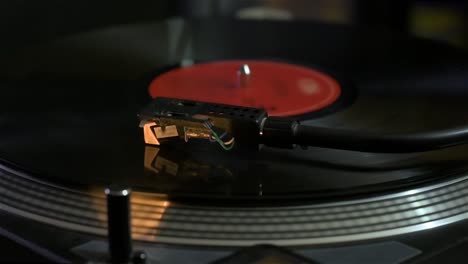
69	106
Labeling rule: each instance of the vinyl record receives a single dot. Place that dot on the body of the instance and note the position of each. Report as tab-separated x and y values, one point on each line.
70	105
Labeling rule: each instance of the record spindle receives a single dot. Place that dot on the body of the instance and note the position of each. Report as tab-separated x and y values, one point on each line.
118	224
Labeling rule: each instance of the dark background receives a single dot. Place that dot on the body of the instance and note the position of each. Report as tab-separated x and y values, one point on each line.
26	21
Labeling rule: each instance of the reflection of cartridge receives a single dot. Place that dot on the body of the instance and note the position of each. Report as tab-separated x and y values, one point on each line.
181	166
159	164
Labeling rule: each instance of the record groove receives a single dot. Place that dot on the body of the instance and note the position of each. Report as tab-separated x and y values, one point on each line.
158	220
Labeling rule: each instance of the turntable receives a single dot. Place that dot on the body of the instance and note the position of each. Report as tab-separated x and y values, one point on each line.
233	142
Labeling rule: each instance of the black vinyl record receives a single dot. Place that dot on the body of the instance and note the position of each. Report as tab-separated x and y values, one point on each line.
69	109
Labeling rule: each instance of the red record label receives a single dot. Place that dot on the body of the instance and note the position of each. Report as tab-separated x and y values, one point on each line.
280	88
